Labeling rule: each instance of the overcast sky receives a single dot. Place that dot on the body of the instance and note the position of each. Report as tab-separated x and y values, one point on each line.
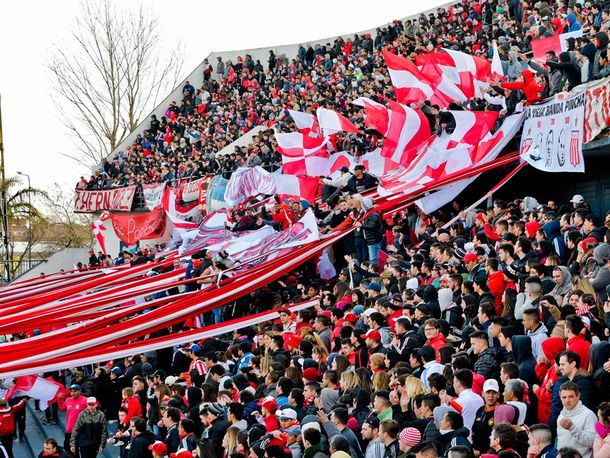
34	137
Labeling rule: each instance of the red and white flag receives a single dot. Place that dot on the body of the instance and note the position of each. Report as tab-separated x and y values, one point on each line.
377	116
97	227
446	91
557	43
183	217
408	132
302	120
45	390
472	72
302	154
496	63
298	187
410	84
486	151
332	122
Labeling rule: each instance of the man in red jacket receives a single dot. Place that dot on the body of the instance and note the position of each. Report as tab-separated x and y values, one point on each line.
7	423
73	406
528	85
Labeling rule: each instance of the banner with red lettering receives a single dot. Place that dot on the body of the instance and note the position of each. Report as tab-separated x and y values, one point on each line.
203	192
138	226
190	189
96	200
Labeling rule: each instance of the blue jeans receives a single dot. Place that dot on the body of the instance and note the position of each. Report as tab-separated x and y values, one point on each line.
374	251
217	312
360	248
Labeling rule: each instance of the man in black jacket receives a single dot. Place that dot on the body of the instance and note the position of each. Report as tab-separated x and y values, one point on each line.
361	181
141	439
213	417
171	417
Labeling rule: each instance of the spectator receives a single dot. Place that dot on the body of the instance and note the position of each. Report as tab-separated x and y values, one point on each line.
90	431
576	423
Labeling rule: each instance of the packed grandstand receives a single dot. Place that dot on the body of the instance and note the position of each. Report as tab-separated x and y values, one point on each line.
328	294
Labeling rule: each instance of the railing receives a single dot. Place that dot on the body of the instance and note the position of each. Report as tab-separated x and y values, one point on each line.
17	268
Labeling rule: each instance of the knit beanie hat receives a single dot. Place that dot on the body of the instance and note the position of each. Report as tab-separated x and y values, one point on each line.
410	436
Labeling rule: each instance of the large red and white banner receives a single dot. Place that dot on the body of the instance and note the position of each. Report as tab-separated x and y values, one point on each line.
96	200
248	182
134	227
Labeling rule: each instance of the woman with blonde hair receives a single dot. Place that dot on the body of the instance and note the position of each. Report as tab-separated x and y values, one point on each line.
583	284
349	381
411	386
229	441
381	381
377	362
320	355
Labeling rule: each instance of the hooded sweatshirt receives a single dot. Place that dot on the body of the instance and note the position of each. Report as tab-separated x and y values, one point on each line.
601	43
566	284
530	88
524	358
547	375
574	24
581	434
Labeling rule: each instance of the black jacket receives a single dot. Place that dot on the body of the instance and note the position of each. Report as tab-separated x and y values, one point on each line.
139	445
358	185
372	228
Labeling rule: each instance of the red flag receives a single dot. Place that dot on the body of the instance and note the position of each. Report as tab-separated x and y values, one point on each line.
410	84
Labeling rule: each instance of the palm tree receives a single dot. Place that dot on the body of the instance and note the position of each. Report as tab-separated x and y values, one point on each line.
17	205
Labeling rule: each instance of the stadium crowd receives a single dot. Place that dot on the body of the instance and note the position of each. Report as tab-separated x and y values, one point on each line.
487	337
182	145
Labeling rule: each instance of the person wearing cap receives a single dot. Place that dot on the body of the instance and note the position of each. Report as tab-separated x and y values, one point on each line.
197	369
182	453
333	186
484	417
292	435
370	433
73	406
373	342
577	201
158	449
361	181
90	431
288	325
267	415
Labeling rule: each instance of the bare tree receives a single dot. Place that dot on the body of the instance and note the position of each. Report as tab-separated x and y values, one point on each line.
110	75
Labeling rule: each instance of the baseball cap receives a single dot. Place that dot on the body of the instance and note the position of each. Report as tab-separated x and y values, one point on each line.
470	257
351	318
287	413
295	430
158	447
369	311
344	169
170	380
292	340
374	286
91	400
75	386
268	403
182	453
194	348
491	385
577	199
373	334
116	371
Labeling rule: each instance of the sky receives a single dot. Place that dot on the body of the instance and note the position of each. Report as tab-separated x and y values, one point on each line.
34	136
